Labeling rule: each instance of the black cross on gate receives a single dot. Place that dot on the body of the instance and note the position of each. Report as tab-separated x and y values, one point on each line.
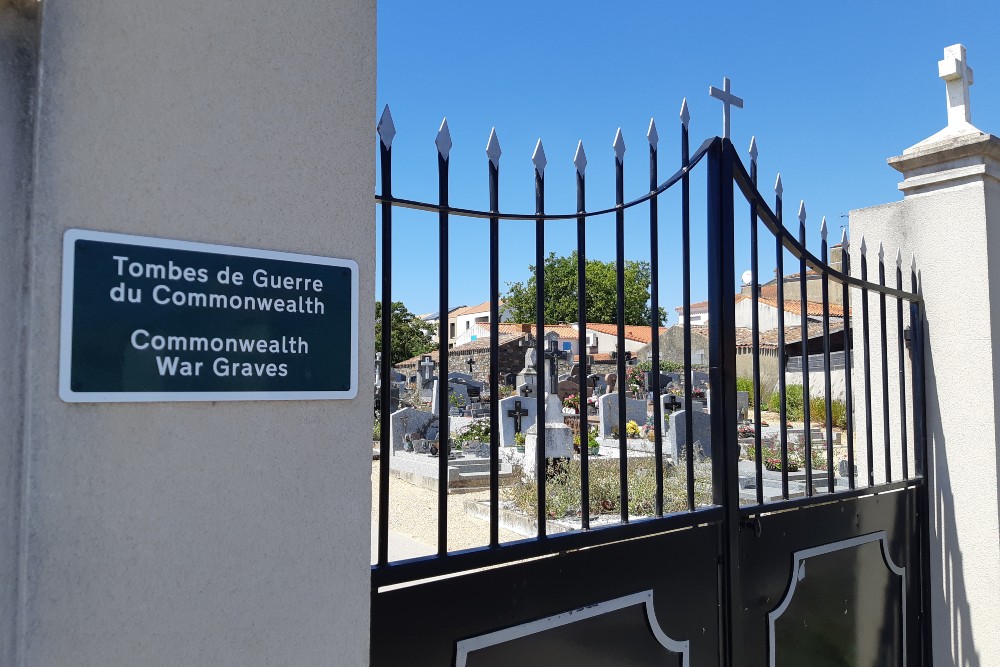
517	413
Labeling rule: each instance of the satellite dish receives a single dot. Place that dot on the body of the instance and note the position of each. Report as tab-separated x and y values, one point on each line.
747	276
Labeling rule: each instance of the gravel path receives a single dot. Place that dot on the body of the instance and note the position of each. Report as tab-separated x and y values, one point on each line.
413	514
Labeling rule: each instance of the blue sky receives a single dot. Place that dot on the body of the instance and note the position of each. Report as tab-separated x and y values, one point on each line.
831	90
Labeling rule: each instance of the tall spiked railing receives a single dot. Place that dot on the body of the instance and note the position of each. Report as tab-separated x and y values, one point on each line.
730	508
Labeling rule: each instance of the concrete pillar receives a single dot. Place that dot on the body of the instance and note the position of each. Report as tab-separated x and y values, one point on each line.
950	220
230	533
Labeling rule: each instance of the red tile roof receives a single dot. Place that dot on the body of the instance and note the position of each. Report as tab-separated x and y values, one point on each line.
639	333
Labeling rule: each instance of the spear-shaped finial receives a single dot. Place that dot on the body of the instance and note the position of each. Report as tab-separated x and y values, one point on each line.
864	246
443	139
651	133
913	262
822	228
844	241
881	252
580	159
493	148
538	158
778	187
386	128
685	114
899	258
802	211
753	149
619	146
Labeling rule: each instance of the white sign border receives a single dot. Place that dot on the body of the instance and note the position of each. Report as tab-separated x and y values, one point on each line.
70	238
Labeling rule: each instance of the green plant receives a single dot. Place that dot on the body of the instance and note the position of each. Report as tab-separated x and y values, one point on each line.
839	412
793	402
377	427
519	440
668	366
478	430
746	384
456	400
562	490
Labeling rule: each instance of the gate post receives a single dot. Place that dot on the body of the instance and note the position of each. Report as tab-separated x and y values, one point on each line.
722	378
949	219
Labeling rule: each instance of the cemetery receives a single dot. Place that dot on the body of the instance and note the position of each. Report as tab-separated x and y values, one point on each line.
416	439
686	423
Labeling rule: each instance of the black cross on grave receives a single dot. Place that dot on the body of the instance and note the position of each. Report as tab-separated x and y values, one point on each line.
517	413
673	403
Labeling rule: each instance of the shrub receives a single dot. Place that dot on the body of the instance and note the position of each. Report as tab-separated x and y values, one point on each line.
793	402
632	429
839	411
478	430
562	490
519	439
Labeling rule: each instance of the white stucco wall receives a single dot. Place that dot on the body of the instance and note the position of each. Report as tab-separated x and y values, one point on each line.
953	228
767	316
231	533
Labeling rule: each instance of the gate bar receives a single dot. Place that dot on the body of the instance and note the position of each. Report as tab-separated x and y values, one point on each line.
580	160
385	163
755	326
654	298
848	342
804	354
883	335
902	368
867	366
686	287
827	383
540	515
722	368
620	319
444	430
782	360
494	355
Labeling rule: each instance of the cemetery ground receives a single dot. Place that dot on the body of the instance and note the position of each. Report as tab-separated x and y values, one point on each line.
413	508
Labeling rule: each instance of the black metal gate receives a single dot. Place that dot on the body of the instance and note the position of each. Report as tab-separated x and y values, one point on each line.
819	567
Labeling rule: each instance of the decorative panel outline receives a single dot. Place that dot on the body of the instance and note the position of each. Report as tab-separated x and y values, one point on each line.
645	598
798	564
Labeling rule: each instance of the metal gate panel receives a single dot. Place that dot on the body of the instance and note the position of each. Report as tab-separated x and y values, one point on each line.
646	601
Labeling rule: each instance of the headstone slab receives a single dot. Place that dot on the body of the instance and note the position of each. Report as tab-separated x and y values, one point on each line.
607	410
454	389
676	440
508	422
558	445
407	421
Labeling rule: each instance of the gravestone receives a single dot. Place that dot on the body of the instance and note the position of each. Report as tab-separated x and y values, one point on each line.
454	389
517	414
701	429
558	445
407	421
529	374
607	410
611	382
742	404
670	403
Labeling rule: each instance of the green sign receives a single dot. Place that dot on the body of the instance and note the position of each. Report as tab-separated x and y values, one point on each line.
146	319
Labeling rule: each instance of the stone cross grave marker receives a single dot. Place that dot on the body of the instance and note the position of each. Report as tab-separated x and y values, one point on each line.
516	416
958	77
517	412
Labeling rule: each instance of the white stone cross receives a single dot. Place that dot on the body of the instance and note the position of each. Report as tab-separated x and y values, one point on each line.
958	77
728	99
